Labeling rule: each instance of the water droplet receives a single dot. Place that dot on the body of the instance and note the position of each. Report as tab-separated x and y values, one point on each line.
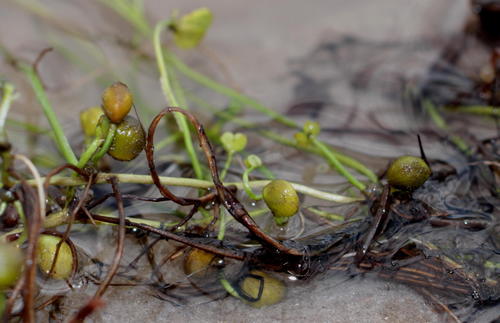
253	204
451	272
292	278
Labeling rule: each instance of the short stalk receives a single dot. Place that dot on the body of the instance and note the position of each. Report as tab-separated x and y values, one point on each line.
247	187
107	142
89	152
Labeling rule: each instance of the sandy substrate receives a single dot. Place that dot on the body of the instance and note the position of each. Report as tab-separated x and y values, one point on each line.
259	42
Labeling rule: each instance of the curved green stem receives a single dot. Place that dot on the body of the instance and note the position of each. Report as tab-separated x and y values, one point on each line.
59	137
107	142
333	161
247	187
171	98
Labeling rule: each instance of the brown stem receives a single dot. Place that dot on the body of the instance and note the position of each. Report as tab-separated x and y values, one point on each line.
12	299
71	247
120	242
152	167
234	254
380	213
88	309
231	203
70	222
39	58
33	223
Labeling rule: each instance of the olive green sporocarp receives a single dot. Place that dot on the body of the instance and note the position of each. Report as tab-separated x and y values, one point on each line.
11	263
129	140
273	289
408	173
46	252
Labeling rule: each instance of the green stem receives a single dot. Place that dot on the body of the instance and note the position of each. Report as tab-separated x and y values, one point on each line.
89	152
224	220
132	12
247	187
228	287
482	110
61	217
217	87
441	124
333	161
8	96
168	140
59	137
22	219
222	226
227	164
326	215
27	126
226	91
169	94
102	178
344	159
107	142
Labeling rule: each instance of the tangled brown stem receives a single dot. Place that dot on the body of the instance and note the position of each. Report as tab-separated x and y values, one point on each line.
228	199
